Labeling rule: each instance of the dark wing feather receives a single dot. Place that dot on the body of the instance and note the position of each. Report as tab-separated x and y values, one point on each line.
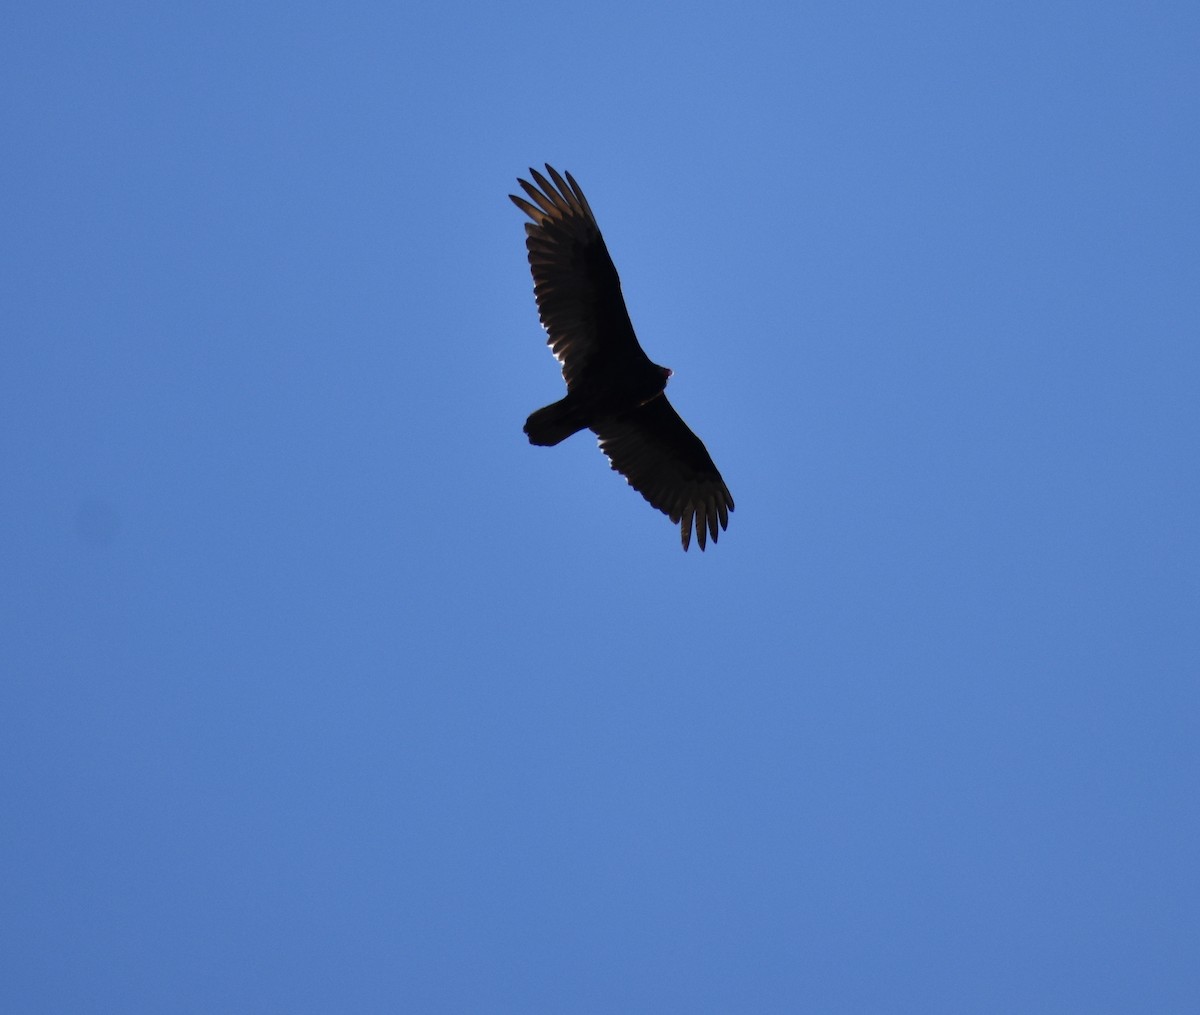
669	466
577	288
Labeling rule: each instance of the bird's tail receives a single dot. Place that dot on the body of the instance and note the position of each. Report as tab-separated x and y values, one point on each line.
554	423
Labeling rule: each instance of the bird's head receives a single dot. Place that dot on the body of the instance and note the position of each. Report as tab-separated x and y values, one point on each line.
666	372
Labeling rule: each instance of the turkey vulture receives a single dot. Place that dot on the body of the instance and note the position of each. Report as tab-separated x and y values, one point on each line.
612	387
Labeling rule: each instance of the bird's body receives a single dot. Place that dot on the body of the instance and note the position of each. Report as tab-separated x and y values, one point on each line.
613	388
602	394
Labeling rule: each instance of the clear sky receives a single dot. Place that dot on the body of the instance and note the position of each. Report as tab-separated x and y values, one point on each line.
321	690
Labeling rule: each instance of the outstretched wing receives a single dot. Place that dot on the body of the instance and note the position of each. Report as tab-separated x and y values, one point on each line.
577	288
668	465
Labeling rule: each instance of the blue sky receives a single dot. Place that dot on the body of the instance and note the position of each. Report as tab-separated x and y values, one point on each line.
324	691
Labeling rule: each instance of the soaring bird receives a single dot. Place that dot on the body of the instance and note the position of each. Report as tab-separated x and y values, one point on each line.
612	387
